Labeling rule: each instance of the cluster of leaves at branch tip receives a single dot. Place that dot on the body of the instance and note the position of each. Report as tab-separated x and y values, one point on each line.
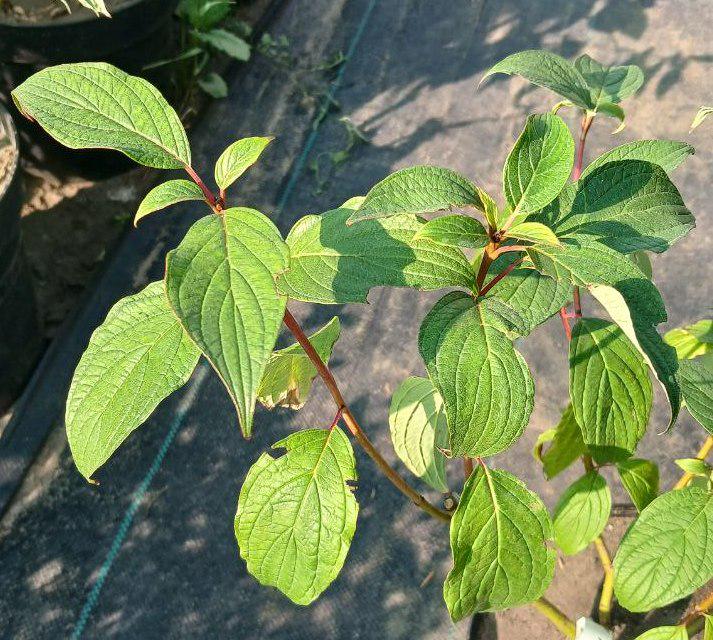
506	268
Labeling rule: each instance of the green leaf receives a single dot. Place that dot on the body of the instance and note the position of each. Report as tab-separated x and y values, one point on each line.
692	340
667	154
637	307
665	633
289	372
708	628
609	387
609	84
535	297
204	14
455	231
226	42
419	429
485	383
333	263
420	189
642	260
584	263
628	205
613	111
547	70
640	479
221	284
166	194
490	209
702	114
539	164
94	105
668	552
581	513
137	357
499	539
535	232
214	85
297	514
696	378
238	158
567	445
695	466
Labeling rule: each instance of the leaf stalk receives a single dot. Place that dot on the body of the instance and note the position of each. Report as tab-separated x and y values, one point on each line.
607	595
555	616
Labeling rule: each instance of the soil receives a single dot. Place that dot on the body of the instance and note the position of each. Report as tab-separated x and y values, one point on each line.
22	11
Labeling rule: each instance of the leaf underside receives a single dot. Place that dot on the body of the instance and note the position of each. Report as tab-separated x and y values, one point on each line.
418	429
581	513
289	372
692	340
567	445
696	378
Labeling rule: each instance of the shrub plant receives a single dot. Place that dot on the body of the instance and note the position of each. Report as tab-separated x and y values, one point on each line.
563	231
206	28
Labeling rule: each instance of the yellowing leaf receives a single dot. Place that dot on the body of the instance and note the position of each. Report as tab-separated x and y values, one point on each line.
289	372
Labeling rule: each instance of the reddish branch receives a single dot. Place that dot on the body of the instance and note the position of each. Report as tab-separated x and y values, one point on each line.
353	426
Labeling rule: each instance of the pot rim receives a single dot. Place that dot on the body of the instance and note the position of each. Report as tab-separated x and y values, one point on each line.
7	126
77	17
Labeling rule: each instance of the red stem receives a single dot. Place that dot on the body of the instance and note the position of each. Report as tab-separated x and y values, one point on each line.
509	269
576	173
353	425
577	303
565	323
207	193
586	124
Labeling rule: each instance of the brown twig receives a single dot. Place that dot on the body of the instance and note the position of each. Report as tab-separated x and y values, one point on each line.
207	193
467	467
353	426
509	269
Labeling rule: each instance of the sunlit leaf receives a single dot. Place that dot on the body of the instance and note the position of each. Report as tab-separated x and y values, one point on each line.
500	534
297	514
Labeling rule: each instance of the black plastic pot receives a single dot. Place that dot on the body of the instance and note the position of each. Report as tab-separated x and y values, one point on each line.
20	337
138	33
